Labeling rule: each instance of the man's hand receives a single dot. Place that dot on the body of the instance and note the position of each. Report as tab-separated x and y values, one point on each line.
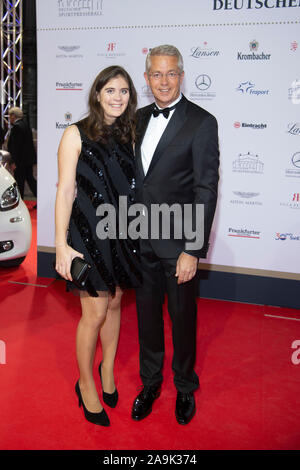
186	267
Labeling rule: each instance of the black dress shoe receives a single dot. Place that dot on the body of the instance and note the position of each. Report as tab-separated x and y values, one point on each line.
142	405
185	407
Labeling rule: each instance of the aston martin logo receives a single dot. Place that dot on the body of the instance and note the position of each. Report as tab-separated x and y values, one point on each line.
244	194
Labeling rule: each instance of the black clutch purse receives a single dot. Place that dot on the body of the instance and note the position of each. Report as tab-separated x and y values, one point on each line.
79	271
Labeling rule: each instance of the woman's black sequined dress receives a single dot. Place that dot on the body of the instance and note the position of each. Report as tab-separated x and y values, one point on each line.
103	173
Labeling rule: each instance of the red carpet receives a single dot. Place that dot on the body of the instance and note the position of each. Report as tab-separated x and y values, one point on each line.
249	397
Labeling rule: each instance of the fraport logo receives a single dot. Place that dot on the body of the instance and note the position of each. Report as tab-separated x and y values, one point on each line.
248	88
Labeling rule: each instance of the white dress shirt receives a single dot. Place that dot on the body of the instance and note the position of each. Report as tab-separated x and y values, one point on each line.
155	130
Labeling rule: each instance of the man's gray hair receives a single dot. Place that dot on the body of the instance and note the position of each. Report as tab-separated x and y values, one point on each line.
16	112
165	49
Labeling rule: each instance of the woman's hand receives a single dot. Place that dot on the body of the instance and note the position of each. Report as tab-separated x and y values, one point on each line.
64	257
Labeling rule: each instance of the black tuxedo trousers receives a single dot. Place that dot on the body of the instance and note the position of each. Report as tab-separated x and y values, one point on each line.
158	279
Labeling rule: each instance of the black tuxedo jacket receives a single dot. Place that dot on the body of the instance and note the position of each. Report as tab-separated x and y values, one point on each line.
20	144
183	170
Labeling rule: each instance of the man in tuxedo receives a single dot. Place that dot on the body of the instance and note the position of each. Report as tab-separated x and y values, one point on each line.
177	163
21	147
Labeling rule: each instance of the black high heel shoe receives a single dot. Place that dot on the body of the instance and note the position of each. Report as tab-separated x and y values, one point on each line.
95	418
111	399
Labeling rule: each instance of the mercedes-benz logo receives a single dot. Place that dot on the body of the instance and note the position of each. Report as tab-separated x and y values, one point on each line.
296	159
203	82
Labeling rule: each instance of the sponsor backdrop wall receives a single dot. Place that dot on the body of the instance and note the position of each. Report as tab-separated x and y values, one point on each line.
242	63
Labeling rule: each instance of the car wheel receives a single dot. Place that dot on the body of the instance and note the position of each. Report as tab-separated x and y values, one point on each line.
10	263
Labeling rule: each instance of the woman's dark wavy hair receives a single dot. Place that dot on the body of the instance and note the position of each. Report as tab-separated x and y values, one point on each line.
124	126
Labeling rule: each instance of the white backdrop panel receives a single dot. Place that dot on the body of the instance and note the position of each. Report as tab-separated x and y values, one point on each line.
255	101
111	13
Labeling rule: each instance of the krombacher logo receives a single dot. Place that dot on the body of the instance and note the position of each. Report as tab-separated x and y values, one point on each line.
253	46
253	56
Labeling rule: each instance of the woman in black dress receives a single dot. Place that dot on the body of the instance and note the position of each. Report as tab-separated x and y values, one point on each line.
95	166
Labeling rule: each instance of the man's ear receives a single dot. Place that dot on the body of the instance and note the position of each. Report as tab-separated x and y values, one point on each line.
146	78
181	77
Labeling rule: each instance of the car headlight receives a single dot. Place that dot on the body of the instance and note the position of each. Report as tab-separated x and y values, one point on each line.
10	198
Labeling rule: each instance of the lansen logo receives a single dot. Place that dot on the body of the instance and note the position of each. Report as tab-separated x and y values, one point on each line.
294	128
203	52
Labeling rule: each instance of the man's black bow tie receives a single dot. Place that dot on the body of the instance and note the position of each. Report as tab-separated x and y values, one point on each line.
164	111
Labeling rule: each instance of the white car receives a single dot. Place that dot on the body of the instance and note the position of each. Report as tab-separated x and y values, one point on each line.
15	222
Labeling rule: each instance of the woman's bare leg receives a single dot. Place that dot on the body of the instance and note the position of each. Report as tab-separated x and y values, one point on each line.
109	336
94	311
